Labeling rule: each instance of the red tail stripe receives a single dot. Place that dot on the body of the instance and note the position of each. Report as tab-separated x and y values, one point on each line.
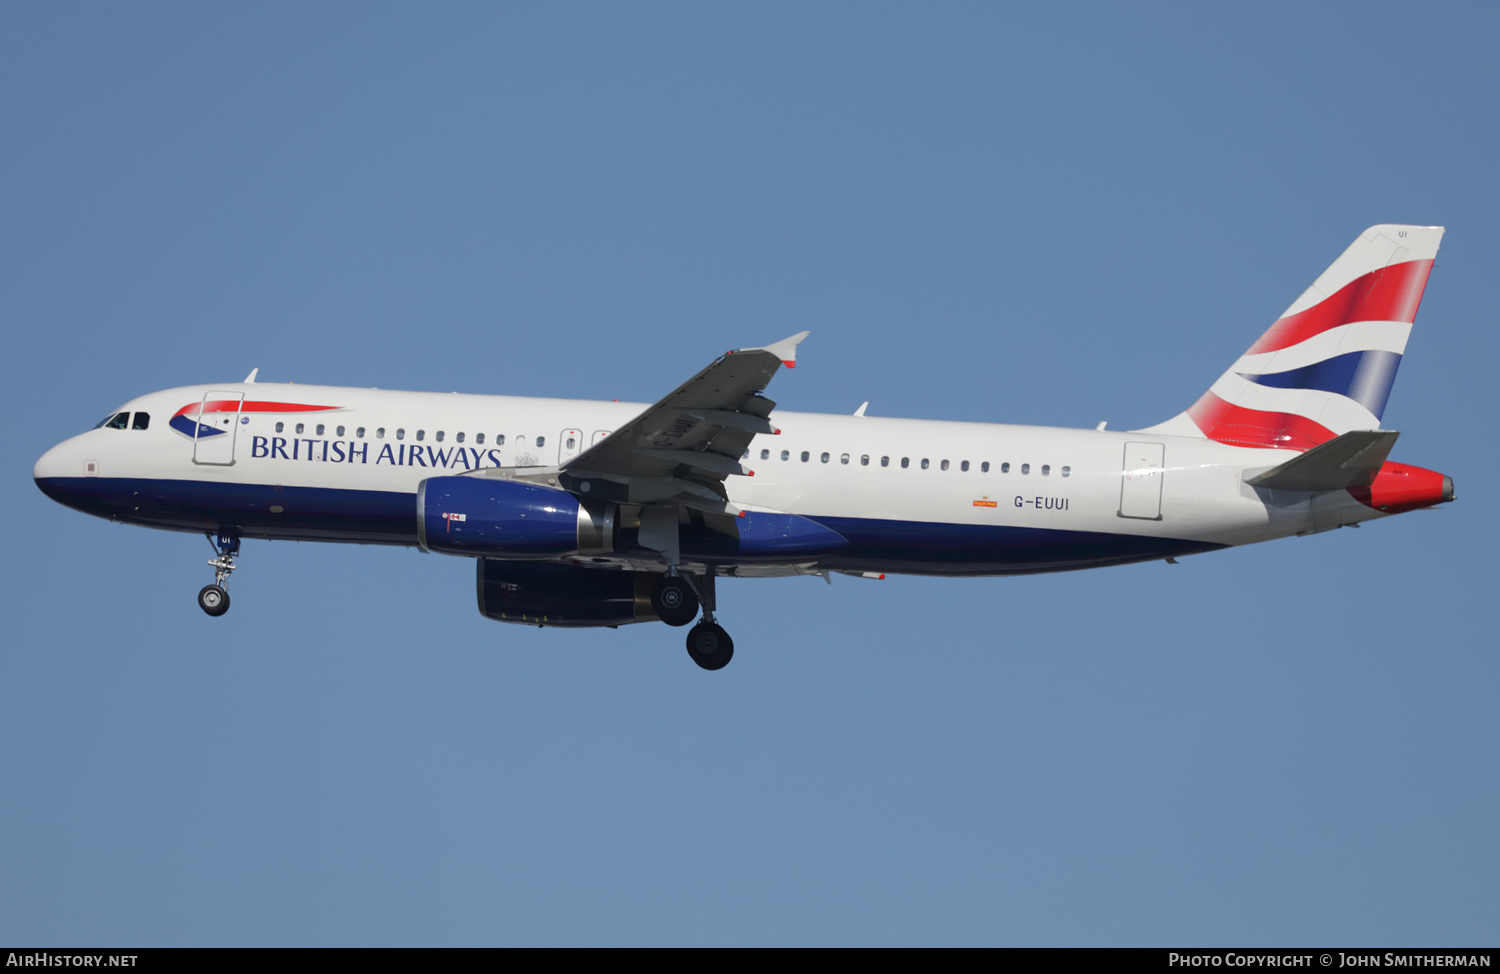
1389	294
1238	426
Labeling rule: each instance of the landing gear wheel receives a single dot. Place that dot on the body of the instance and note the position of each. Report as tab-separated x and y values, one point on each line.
710	646
213	600
673	601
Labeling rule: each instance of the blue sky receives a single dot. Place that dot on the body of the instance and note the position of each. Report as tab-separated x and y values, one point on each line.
982	212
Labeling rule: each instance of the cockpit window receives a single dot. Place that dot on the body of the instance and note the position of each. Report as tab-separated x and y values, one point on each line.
118	421
141	421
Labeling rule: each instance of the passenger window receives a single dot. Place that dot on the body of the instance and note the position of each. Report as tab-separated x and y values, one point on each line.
964	467
1005	467
380	432
765	454
499	439
905	462
320	429
924	463
459	438
479	438
984	467
439	436
1046	469
400	434
864	460
572	442
421	435
359	432
1026	468
119	421
945	464
141	421
300	427
824	458
541	441
885	461
786	454
339	431
844	459
280	426
805	456
1066	471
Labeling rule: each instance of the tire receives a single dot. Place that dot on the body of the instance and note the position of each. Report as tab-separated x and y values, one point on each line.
710	646
673	601
213	600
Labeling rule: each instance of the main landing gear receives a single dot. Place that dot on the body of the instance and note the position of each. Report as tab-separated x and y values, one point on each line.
676	600
710	646
214	599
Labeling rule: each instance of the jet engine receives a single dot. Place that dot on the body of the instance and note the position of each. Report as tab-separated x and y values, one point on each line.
509	519
563	595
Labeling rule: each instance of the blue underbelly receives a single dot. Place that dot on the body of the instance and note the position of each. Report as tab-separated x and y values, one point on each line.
389	517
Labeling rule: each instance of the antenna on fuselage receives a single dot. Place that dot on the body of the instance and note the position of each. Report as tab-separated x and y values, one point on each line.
861	410
250	379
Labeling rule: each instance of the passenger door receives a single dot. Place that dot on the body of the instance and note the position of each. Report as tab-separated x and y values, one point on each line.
1140	481
217	427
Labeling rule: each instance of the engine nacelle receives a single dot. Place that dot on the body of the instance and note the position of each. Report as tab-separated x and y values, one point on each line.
509	519
562	595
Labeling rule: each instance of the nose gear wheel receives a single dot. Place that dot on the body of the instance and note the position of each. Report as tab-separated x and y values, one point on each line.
214	599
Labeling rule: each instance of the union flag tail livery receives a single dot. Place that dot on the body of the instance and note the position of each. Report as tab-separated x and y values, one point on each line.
582	513
1325	367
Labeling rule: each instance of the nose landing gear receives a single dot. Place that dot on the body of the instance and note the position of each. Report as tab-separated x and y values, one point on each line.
214	599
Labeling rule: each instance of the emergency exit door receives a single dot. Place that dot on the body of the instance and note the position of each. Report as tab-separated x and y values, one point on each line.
569	445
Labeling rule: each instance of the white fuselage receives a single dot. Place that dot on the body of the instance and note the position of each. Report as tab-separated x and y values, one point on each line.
911	495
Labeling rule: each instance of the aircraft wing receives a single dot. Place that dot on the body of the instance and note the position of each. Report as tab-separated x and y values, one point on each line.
681	449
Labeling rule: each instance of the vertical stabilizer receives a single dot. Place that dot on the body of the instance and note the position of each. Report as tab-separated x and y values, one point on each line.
1326	366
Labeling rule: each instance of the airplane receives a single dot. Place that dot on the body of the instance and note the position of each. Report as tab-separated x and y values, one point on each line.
605	513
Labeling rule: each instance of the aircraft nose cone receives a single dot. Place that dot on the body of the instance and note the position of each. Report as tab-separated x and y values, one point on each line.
56	469
49	466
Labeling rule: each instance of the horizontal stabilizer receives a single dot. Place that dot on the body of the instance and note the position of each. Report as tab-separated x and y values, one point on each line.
1351	460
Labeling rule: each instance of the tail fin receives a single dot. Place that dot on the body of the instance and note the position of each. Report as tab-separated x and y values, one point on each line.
1326	366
